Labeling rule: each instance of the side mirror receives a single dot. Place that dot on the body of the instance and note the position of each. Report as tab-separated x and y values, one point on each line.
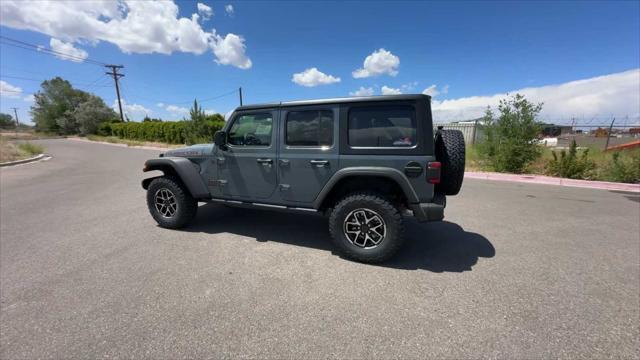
220	139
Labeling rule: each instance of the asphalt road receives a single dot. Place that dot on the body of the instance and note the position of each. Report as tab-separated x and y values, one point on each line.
515	271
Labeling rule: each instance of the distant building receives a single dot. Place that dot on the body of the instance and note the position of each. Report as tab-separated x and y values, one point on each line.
553	130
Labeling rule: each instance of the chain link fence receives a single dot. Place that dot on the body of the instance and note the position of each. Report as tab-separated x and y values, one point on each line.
601	136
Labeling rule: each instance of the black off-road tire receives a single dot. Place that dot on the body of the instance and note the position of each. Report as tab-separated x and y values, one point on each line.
393	221
186	205
450	152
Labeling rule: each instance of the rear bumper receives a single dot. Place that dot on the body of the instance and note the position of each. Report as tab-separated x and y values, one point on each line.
433	211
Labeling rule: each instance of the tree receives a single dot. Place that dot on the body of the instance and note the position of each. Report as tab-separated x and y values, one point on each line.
510	144
6	121
196	112
90	114
57	108
196	131
53	105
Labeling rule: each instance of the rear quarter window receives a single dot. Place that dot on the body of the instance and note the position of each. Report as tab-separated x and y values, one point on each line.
382	127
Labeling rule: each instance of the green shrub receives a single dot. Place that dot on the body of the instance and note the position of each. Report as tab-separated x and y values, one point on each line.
510	139
172	132
571	165
623	168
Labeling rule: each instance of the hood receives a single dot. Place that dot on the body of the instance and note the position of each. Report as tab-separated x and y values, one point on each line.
191	151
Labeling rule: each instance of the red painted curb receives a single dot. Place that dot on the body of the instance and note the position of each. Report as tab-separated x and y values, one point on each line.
549	180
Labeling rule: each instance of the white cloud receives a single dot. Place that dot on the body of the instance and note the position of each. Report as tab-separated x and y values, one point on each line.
409	87
210	111
363	91
602	96
378	63
9	91
431	91
75	54
134	26
29	98
230	50
313	77
205	11
385	90
177	110
133	111
160	105
229	9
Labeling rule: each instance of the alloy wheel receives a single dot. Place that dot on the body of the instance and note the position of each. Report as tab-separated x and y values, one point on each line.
364	228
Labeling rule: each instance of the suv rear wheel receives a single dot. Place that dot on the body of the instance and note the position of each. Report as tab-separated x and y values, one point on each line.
366	227
170	203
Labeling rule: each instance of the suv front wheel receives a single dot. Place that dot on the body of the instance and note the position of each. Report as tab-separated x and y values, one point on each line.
170	204
366	227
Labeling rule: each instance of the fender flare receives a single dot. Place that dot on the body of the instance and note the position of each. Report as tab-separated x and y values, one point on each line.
181	167
393	174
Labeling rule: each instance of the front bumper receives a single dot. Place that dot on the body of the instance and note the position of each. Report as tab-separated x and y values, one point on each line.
433	211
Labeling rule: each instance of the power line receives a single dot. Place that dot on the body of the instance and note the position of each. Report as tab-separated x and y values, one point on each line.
222	95
40	80
184	102
43	50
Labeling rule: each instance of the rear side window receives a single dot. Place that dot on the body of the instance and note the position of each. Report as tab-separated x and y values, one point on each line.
382	126
310	128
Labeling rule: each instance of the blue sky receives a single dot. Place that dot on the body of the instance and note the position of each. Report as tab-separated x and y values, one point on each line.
466	54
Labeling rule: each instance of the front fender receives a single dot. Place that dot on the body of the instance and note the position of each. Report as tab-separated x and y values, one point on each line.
181	168
390	173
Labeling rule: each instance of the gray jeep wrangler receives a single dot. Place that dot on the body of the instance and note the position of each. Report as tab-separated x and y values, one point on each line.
365	162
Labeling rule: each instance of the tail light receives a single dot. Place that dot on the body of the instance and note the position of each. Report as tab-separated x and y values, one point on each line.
433	172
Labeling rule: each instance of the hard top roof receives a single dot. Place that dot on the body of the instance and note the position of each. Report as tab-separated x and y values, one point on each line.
335	101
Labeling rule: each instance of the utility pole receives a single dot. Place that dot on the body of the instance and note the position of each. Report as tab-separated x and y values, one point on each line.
15	111
606	146
240	92
116	76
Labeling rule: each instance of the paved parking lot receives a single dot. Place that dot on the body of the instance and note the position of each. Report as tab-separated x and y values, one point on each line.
516	270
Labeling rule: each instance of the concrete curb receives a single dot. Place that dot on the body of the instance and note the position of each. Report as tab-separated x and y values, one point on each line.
23	161
549	180
121	145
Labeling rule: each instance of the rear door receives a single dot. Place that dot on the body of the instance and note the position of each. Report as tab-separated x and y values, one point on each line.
308	151
247	168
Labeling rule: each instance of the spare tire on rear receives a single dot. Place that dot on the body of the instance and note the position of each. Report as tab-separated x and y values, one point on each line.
450	153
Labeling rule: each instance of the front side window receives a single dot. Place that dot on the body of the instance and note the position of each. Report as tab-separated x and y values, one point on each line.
388	127
251	130
310	128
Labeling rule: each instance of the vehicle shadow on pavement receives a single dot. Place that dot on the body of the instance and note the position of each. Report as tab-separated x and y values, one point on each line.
438	247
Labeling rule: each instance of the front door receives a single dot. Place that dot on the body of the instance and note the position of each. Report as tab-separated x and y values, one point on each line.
247	168
308	151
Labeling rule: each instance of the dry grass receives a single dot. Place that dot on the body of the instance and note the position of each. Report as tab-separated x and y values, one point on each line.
12	151
26	135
